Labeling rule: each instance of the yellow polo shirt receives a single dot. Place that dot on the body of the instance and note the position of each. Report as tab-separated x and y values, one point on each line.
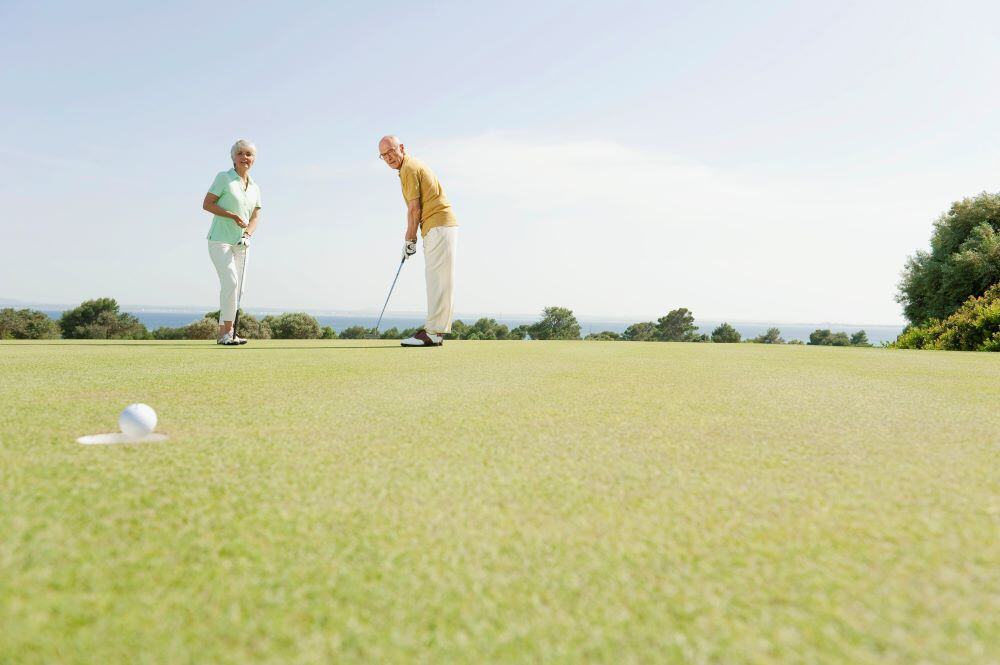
419	182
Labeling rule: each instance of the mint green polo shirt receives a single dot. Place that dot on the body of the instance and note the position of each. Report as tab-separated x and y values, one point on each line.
228	186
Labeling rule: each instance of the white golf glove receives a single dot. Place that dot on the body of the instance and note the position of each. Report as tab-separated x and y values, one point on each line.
409	249
244	240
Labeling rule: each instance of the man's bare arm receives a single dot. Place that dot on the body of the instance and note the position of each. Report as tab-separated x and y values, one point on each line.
412	219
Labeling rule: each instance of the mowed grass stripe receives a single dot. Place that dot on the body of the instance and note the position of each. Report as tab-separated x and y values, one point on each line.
505	501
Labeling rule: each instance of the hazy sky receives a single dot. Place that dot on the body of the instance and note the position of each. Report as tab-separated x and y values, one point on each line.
748	160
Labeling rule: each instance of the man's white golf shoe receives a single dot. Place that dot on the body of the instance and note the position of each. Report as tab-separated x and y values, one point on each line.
423	338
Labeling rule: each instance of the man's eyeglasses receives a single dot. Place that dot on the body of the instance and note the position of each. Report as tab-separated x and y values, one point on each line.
385	155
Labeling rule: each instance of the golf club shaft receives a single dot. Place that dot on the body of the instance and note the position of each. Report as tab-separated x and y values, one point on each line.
390	294
239	288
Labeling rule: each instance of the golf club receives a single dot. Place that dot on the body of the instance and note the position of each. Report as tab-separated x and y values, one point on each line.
239	289
375	336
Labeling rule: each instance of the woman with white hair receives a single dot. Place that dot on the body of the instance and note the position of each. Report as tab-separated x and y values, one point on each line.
234	201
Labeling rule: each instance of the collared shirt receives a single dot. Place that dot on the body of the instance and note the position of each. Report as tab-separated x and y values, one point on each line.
228	186
419	182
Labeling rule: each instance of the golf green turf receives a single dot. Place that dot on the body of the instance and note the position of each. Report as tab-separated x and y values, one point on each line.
352	501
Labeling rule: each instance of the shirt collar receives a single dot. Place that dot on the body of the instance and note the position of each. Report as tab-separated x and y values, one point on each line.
237	175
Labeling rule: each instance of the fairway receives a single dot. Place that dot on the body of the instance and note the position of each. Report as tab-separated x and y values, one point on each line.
352	501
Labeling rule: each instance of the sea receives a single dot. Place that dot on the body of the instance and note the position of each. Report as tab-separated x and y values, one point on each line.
877	334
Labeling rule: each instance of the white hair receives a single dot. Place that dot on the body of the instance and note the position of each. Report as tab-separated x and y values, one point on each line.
242	143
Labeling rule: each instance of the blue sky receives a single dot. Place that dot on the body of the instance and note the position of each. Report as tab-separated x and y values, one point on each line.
750	161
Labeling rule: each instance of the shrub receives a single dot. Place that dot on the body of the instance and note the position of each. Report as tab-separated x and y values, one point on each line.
27	324
293	325
166	332
860	338
519	332
725	334
772	336
356	332
604	336
328	333
640	332
205	329
101	319
248	327
975	326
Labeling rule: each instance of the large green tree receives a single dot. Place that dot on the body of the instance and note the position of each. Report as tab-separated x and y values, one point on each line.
963	261
100	319
677	326
556	323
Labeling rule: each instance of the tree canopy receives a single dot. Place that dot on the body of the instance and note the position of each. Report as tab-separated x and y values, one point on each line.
963	261
556	323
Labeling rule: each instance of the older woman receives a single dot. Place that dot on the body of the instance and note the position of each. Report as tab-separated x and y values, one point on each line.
234	201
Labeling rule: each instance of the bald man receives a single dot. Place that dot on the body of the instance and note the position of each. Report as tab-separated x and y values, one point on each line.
427	209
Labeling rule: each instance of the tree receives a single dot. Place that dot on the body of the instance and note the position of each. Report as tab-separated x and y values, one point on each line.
459	330
518	332
488	328
839	339
963	261
677	326
725	334
604	336
772	336
556	323
860	338
640	332
101	319
820	337
27	324
328	333
293	325
391	333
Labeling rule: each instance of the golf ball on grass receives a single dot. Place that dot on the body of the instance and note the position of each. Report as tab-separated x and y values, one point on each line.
137	420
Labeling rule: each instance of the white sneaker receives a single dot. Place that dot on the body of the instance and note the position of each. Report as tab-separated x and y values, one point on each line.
227	340
423	338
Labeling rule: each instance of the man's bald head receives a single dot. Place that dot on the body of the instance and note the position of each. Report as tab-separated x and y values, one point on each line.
391	151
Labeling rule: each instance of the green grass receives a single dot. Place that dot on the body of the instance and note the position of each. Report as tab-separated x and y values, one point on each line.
500	501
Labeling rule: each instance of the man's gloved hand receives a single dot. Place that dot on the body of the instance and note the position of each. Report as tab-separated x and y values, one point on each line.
245	240
409	249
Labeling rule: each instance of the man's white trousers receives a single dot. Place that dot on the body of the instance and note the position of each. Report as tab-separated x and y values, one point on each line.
440	245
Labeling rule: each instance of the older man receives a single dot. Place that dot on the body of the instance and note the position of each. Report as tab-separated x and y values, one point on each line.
428	209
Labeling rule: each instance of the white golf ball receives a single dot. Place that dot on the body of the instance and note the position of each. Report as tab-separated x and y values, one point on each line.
137	420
